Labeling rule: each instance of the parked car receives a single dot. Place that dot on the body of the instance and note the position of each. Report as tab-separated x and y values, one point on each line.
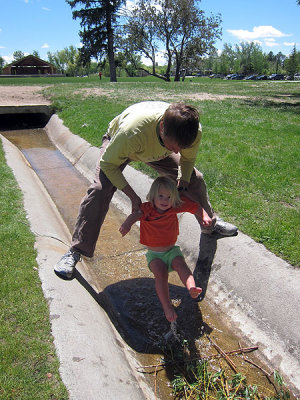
297	77
238	77
229	76
276	77
251	77
261	78
215	76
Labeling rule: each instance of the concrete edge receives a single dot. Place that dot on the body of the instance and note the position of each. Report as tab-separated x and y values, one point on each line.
95	362
238	255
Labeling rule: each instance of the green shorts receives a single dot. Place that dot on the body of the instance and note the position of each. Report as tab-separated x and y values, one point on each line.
166	256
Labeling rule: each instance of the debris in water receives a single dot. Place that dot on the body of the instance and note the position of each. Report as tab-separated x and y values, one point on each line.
172	332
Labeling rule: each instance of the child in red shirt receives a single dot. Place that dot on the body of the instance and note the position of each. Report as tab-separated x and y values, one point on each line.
159	229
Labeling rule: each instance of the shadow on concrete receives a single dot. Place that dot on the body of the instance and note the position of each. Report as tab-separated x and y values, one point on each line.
207	251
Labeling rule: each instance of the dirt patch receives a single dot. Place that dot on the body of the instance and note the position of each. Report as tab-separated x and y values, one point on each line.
22	96
159	95
31	95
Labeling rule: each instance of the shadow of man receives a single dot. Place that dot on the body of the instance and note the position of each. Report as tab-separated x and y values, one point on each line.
207	251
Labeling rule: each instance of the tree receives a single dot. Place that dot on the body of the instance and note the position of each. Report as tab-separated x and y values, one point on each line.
67	61
293	62
2	62
186	31
251	58
226	60
35	53
18	54
98	19
142	33
179	26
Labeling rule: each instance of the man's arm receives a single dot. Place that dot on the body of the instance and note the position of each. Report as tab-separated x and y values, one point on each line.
135	199
130	220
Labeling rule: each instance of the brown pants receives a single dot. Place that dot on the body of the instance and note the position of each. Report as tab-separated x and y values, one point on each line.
95	204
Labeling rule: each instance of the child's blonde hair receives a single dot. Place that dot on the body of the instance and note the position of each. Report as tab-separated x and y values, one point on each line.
169	185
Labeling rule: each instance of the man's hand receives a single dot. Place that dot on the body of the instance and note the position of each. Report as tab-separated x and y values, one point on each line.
182	185
203	217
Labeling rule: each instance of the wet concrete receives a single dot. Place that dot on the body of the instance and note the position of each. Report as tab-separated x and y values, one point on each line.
123	285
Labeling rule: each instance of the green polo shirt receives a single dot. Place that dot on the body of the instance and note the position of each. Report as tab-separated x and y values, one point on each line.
134	137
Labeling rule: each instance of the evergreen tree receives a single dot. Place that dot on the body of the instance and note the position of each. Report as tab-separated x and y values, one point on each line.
18	54
98	19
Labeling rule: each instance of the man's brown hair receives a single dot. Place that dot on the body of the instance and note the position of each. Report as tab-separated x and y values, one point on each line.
181	122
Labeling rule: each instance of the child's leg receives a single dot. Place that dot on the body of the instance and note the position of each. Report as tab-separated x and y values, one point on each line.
160	272
179	265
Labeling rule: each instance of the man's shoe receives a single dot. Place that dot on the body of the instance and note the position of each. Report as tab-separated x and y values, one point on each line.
225	228
66	265
221	227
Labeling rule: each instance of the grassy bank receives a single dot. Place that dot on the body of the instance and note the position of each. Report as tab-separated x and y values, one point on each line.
29	366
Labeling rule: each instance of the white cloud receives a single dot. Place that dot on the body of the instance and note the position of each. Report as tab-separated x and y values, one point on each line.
26	1
130	5
45	46
263	31
8	59
291	44
45	9
2	47
271	42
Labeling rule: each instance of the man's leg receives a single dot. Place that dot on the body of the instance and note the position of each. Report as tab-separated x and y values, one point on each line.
92	212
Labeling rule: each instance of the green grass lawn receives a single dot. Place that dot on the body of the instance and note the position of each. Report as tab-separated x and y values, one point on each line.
28	363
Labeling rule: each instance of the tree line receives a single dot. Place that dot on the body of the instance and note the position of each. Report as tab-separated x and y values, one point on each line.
114	40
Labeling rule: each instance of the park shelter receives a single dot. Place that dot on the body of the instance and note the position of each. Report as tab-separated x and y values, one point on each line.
29	65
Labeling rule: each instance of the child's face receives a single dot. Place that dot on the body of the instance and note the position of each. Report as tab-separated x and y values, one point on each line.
163	201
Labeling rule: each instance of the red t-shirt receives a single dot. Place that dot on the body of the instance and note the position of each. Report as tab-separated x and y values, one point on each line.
157	229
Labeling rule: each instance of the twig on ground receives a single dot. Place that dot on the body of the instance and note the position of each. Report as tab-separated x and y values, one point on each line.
163	364
218	348
267	375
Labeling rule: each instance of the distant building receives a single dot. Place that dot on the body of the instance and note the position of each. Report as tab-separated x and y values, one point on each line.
29	65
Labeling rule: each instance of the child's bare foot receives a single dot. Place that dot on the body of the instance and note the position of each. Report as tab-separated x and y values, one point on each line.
170	313
195	291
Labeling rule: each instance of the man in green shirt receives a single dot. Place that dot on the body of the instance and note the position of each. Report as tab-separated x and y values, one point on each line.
164	136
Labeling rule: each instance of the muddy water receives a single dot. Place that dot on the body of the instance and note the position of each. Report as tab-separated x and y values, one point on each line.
125	288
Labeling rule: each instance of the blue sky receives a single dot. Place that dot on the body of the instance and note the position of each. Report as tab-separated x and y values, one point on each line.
47	25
